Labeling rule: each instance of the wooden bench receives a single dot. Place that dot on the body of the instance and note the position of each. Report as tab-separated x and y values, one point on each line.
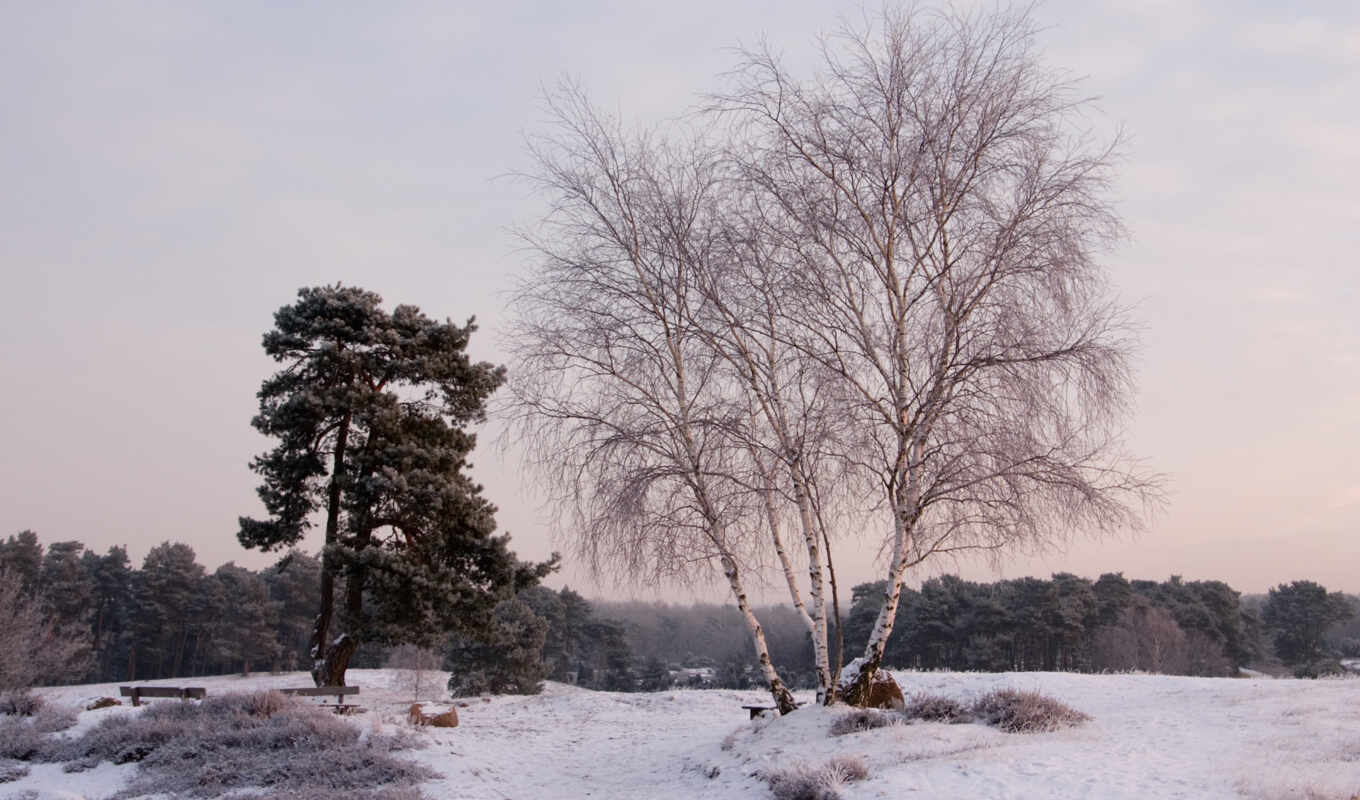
183	693
758	710
338	692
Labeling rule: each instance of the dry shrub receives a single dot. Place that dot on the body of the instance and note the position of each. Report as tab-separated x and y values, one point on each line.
18	739
12	771
821	783
262	741
19	703
52	718
862	719
847	769
268	703
936	708
1015	711
323	793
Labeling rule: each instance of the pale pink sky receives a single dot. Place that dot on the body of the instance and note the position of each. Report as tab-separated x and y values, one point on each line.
176	171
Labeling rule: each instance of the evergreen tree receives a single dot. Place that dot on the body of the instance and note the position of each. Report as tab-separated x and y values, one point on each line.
1113	595
370	411
654	676
249	639
21	555
292	585
507	658
112	608
606	658
168	606
547	605
67	586
1300	614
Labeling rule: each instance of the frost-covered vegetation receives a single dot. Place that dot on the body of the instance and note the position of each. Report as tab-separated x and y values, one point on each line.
263	743
823	782
1015	711
1009	710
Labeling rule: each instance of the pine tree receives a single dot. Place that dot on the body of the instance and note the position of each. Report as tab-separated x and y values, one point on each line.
507	658
1300	614
292	584
249	637
370	411
654	676
111	619
67	587
22	555
167	608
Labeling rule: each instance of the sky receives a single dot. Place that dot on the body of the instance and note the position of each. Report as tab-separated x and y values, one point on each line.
176	171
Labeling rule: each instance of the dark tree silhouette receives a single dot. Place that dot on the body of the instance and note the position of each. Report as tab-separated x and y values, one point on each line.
370	412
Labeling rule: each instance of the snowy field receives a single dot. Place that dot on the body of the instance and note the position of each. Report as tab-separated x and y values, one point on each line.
1148	737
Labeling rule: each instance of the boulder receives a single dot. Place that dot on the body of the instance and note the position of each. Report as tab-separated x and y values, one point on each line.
882	692
449	719
417	716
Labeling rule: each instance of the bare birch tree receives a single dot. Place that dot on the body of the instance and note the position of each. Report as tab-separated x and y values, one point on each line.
622	399
942	215
34	645
793	414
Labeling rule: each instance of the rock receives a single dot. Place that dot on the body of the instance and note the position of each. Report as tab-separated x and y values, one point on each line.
883	692
449	719
417	716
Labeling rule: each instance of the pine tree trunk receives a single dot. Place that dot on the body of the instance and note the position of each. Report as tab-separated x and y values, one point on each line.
330	670
322	663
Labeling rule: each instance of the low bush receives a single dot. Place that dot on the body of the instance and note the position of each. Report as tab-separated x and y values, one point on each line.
801	783
52	718
262	741
1015	711
19	739
936	708
822	783
385	793
12	771
19	703
846	769
1319	668
863	719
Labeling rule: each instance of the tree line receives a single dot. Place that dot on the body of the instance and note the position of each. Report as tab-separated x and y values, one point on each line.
171	617
1111	623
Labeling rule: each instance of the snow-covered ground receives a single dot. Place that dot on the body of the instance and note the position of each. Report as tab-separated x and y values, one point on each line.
1148	737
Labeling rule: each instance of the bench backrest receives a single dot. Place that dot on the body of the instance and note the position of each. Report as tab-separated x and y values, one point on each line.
197	692
136	693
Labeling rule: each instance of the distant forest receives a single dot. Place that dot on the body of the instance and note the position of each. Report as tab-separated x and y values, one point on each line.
173	618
